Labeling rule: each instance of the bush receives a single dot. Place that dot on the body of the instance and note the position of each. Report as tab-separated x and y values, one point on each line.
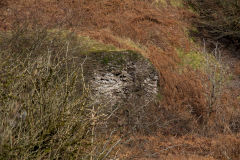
46	111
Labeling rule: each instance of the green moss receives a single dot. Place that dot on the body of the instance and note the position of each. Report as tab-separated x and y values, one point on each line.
94	46
197	60
119	57
176	3
160	3
193	59
86	44
113	58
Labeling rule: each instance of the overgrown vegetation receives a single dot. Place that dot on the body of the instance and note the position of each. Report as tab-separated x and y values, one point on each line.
218	19
46	110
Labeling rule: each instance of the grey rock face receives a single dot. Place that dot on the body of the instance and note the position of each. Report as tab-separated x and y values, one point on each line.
120	78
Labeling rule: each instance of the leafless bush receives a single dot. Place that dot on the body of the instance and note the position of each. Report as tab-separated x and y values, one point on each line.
221	107
43	114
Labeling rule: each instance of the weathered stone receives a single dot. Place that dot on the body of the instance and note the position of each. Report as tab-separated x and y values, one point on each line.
119	78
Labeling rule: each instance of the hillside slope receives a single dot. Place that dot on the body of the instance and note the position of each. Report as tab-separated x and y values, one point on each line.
196	114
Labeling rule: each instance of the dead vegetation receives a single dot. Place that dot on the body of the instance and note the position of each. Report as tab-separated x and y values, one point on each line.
217	20
157	31
46	109
190	147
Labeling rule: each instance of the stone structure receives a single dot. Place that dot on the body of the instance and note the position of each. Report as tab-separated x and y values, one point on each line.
120	78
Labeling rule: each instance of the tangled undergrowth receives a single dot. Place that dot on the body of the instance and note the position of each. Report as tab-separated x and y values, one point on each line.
218	20
46	110
194	98
158	31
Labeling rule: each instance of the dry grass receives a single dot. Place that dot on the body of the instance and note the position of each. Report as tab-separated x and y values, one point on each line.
187	147
157	30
